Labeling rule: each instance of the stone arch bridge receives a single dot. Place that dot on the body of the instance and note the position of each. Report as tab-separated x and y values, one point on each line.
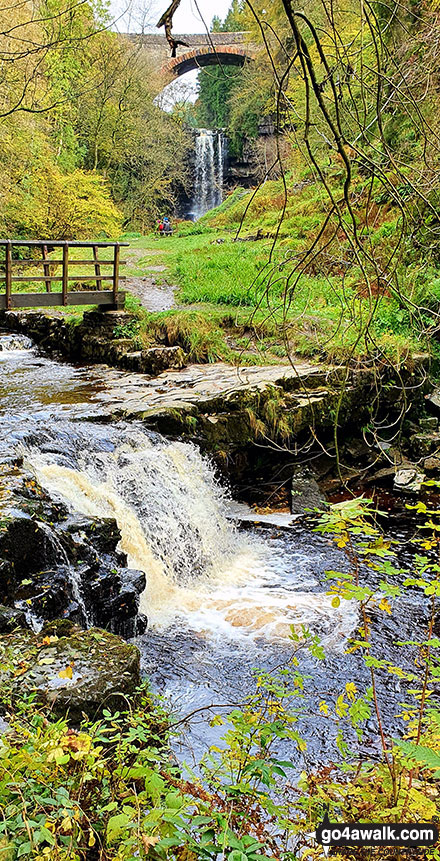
196	51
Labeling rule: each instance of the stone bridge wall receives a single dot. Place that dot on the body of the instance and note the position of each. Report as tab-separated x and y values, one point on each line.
198	50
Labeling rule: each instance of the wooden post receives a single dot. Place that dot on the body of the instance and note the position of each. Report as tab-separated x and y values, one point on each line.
65	271
46	269
8	274
116	274
97	268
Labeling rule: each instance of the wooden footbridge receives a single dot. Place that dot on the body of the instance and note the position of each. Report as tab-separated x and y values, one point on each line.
31	262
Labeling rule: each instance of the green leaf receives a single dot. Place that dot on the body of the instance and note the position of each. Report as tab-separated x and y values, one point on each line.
236	855
116	825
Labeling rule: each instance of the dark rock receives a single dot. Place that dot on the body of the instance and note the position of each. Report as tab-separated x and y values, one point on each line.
141	624
29	546
11	618
70	570
75	673
305	492
104	533
433	401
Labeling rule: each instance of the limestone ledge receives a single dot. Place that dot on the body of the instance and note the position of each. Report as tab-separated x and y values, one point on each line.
221	407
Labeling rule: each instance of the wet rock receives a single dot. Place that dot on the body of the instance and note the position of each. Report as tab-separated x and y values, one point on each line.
10	619
432	401
51	594
72	569
409	480
305	492
73	672
104	533
141	624
29	545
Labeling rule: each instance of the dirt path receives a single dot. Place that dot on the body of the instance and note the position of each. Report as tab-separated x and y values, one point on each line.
152	296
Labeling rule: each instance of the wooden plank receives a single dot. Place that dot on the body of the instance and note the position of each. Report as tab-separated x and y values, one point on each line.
46	269
116	273
48	300
32	261
97	268
30	278
8	258
65	272
37	243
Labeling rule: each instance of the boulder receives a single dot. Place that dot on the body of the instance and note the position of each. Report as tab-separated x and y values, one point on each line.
433	401
72	672
408	480
305	492
72	570
29	545
423	444
158	359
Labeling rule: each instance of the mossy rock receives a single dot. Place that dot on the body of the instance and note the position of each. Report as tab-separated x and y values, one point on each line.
79	672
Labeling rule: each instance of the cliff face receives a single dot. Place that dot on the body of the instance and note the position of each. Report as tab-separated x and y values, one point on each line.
259	159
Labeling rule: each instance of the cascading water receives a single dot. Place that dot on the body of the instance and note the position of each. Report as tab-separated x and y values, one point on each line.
201	573
210	157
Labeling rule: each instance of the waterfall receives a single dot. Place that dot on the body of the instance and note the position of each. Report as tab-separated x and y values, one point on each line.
210	156
202	574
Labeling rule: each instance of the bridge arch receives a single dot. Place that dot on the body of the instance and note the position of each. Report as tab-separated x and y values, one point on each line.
199	57
195	51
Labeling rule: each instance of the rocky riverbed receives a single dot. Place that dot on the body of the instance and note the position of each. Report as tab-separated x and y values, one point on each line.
109	525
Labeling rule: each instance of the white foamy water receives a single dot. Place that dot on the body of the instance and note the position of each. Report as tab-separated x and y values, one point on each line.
209	171
202	574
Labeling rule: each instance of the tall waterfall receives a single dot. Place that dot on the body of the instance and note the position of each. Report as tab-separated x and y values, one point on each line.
210	157
201	573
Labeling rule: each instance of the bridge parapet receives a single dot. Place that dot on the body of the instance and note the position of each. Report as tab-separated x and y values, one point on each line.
197	50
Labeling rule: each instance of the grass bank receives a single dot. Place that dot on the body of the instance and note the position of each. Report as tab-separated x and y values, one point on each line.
238	299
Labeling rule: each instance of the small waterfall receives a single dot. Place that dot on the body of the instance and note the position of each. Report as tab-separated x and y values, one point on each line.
14	343
202	574
210	157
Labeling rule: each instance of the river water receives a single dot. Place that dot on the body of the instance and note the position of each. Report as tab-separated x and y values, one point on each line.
220	600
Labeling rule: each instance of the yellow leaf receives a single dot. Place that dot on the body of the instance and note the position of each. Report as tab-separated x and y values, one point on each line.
323	707
351	690
91	840
66	674
66	824
336	601
384	605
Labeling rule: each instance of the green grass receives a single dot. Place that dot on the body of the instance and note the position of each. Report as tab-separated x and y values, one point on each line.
232	304
237	301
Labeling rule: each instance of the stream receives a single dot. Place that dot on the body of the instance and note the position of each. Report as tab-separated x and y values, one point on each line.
220	599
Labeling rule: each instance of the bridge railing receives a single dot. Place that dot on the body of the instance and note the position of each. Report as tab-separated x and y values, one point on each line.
57	272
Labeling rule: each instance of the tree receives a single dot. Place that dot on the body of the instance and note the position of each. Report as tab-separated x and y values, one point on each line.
216	86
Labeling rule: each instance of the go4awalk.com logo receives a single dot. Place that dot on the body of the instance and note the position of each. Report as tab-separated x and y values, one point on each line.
402	834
